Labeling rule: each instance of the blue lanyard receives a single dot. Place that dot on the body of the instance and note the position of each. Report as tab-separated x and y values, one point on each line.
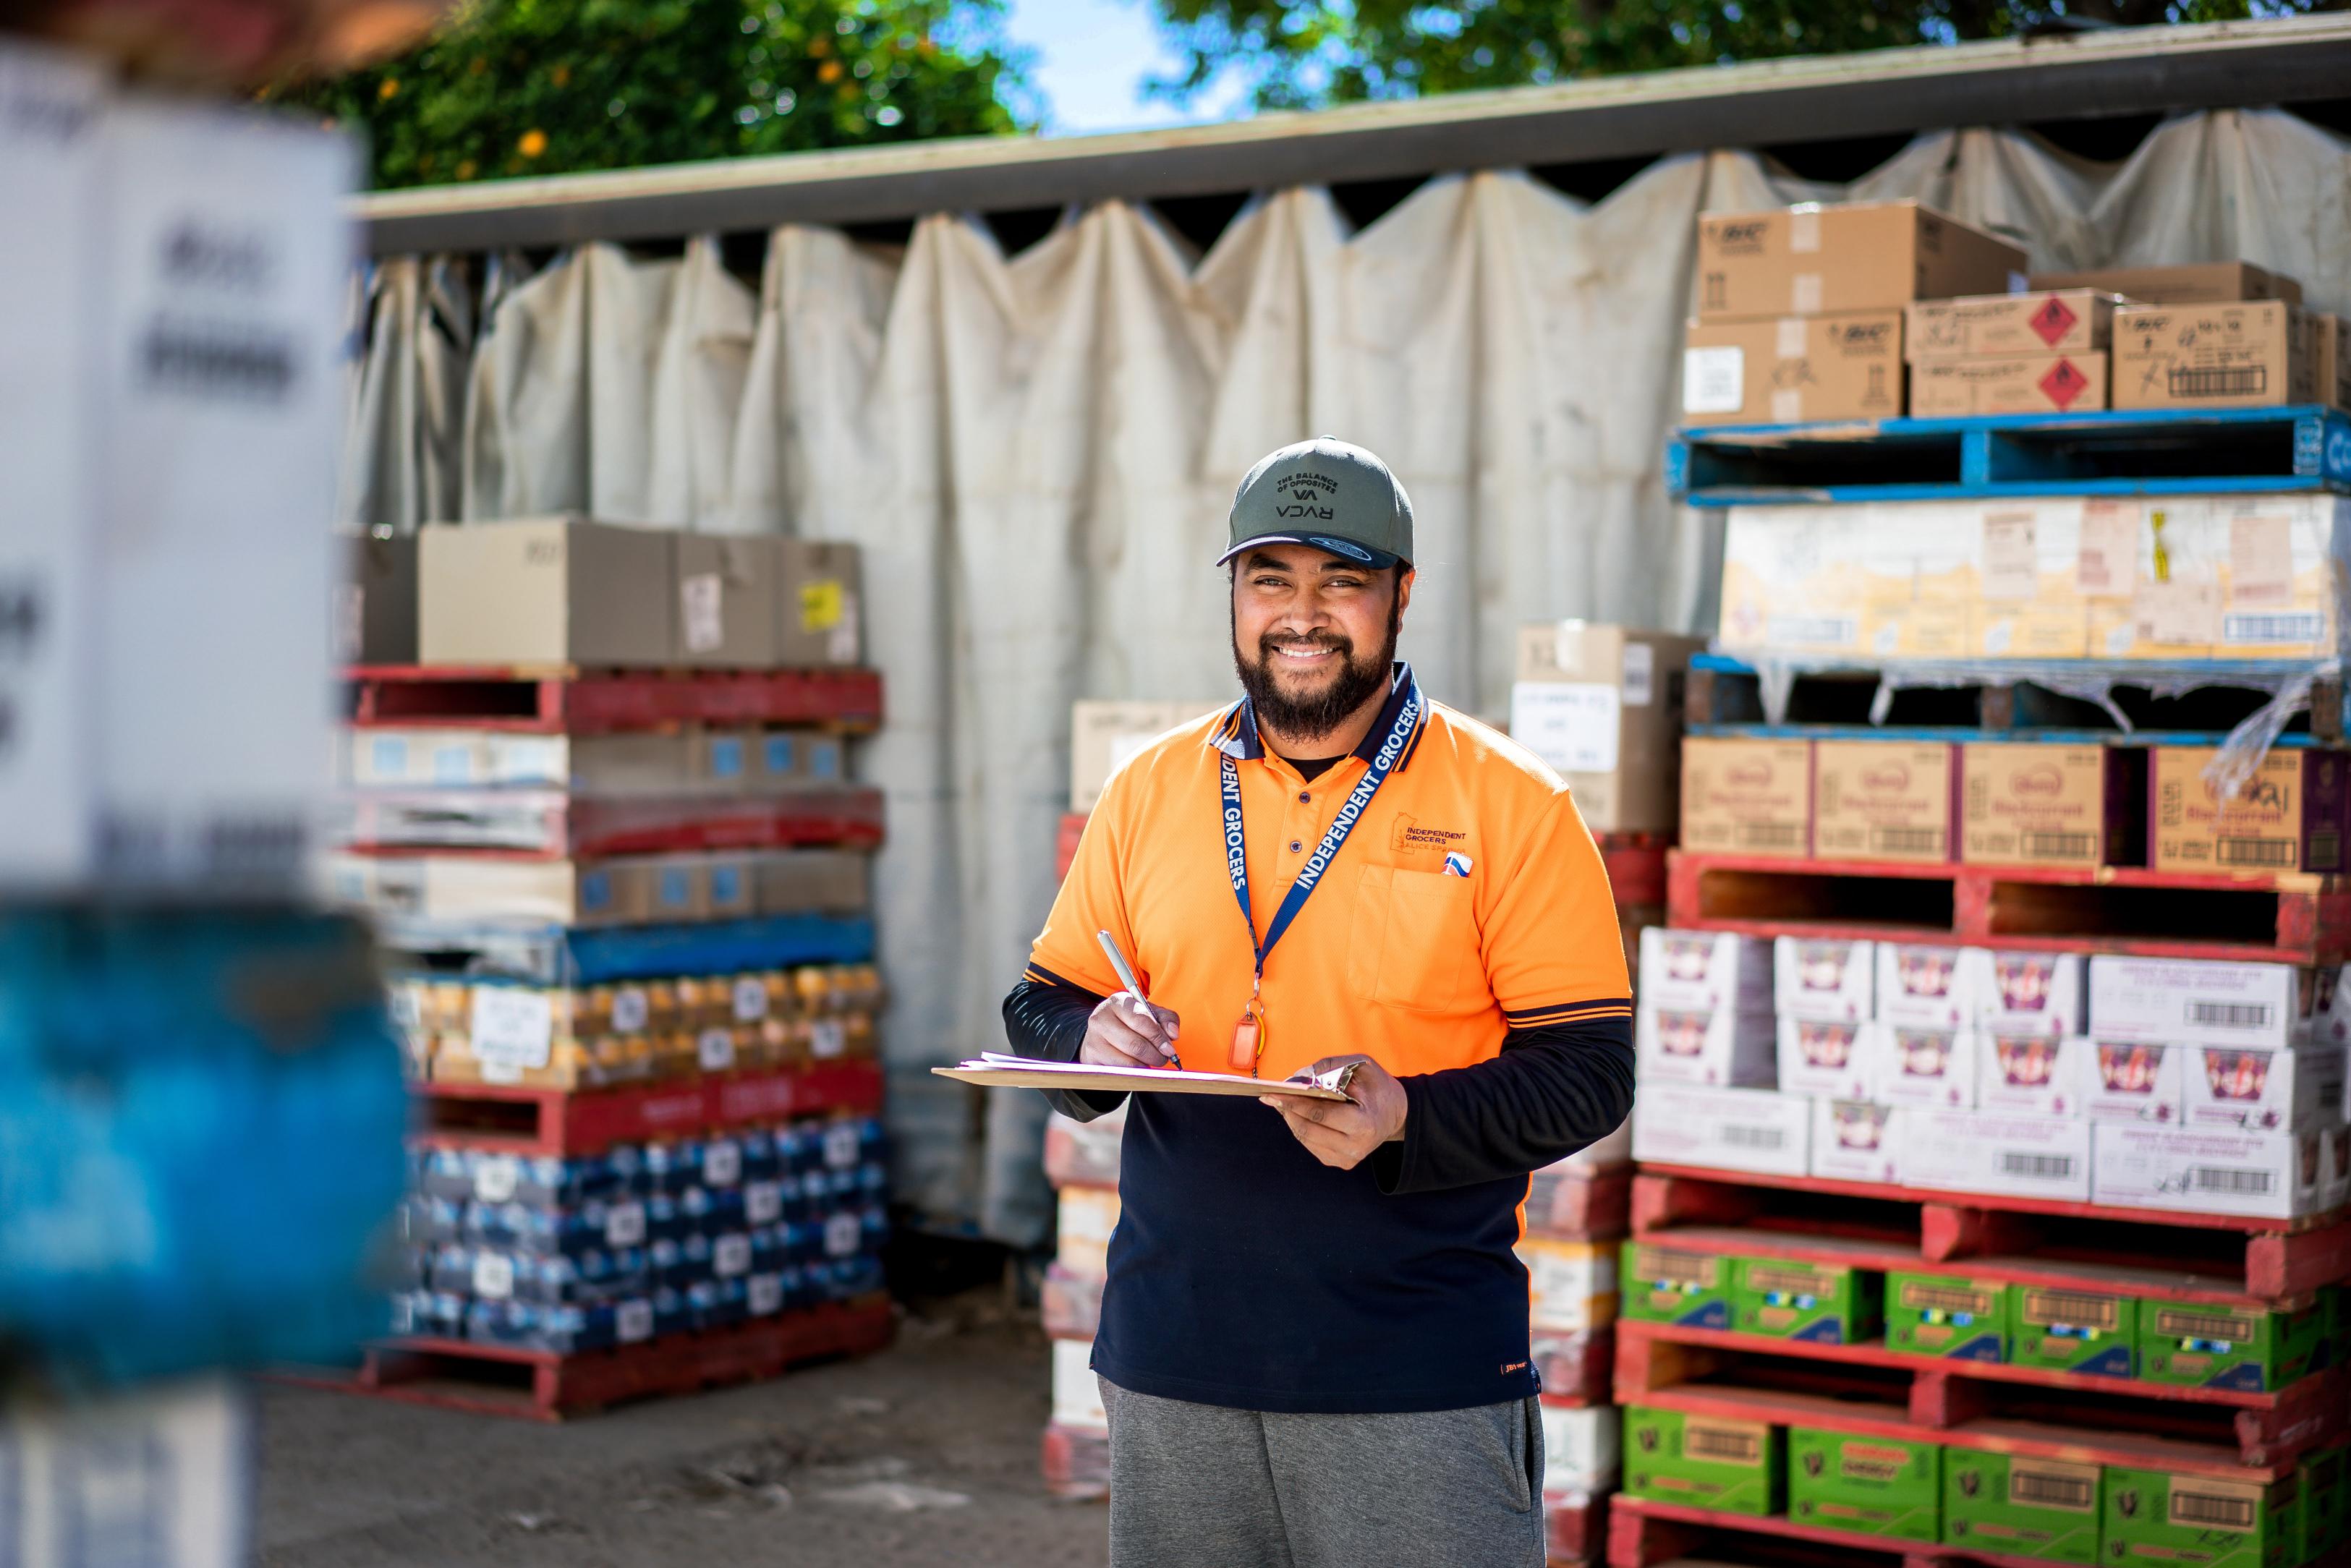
1351	811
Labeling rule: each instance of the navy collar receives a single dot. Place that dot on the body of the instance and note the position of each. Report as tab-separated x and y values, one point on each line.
1237	736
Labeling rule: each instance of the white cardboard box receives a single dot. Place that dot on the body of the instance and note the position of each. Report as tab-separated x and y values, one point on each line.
1854	1140
1733	1129
1824	977
2133	1080
1705	971
1077	1398
1931	985
2188	1001
2031	1074
2327	1011
162	1476
1981	1151
1933	1067
1606	1154
2262	1091
1826	1060
2033	993
1571	1285
2207	1170
1721	1050
1580	1447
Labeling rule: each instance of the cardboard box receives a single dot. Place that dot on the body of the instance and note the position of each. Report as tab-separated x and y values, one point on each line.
1818	1303
727	588
1721	1050
2212	356
2198	1345
2008	326
1730	1129
2032	1074
2045	1508
2262	1091
1746	796
1856	1140
1883	800
2069	1330
1104	735
819	604
1981	1151
1077	1398
1826	1058
2281	563
560	892
1833	978
2291	816
2027	383
1580	1447
2134	1082
2023	804
1926	1067
1793	579
2035	993
1931	985
2149	1516
733	883
1705	1462
1088	1216
795	882
1572	1285
1793	370
2330	358
1875	1486
546	591
2321	1480
2027	577
162	1475
1927	580
1603	704
1947	1316
1705	971
2271	1176
2194	1001
1672	1285
796	759
1858	255
2198	283
375	605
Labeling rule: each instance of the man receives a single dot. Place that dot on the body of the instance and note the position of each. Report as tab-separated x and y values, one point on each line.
1314	1346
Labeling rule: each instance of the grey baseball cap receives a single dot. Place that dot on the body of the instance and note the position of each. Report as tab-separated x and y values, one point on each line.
1327	494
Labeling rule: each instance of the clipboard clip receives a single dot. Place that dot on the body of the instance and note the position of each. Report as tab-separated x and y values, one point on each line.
1340	1078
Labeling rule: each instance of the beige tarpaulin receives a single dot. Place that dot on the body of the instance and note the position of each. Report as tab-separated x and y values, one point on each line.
1036	450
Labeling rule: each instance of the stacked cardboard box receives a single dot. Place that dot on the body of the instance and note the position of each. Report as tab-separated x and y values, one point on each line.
2043	352
1082	1161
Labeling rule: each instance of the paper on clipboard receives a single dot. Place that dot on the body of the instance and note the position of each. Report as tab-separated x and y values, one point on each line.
999	1070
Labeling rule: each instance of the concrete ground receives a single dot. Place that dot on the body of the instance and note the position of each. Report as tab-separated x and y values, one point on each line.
923	1454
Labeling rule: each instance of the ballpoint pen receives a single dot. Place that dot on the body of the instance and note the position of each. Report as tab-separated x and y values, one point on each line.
1125	972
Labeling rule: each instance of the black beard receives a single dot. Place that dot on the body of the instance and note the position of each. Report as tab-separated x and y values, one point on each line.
1311	718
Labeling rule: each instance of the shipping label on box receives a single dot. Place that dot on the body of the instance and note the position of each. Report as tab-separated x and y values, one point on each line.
1931	985
1794	579
2211	356
1571	1284
2049	321
1819	1304
1746	796
2133	1080
1719	1050
1954	1318
1791	369
2153	1517
1705	1462
1875	1486
1925	1066
1732	1129
819	604
1855	1140
2198	1345
2150	572
2273	1176
1829	978
1856	255
2194	1001
2045	1508
1978	1151
2026	384
2281	561
2197	283
1675	1285
1887	801
2292	814
2063	1329
2035	993
2262	1091
2022	804
726	591
1705	971
2032	1074
1826	1058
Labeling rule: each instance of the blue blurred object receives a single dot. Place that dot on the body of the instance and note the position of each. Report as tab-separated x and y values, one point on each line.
200	1120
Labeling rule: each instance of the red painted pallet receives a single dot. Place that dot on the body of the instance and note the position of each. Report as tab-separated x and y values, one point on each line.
1576	1204
2232	1255
2266	1428
526	1121
2281	918
1637	866
1575	1527
1065	842
565	699
554	824
539	1385
1575	1369
1075	1463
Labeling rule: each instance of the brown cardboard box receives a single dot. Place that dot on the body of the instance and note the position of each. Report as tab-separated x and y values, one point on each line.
2064	321
1746	796
1604	705
726	602
2199	283
2289	817
819	604
563	892
1861	255
1882	799
1795	368
796	882
2211	356
2330	358
2033	383
375	609
2023	804
545	590
1104	734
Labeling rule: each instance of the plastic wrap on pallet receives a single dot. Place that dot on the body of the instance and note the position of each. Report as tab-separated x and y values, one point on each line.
1075	1463
1083	1152
1072	1302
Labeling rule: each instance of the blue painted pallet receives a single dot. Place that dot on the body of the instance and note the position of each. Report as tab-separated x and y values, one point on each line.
557	956
1971	735
2138	452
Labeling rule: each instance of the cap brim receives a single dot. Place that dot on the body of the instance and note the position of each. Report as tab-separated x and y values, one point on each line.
1345	550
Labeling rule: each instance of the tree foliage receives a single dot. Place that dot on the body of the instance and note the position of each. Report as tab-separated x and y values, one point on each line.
545	86
1294	55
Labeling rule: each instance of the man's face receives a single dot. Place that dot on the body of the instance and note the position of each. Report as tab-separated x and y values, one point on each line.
1314	634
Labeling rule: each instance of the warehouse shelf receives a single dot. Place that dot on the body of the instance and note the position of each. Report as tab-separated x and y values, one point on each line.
2143	451
568	700
554	824
526	1120
549	955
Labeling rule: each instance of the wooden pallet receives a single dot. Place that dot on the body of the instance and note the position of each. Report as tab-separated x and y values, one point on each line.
568	700
554	824
1637	866
539	1385
555	1121
1575	1527
1065	842
2267	917
553	955
1074	1463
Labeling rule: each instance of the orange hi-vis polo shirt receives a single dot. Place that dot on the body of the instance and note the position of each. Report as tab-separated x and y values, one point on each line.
1467	908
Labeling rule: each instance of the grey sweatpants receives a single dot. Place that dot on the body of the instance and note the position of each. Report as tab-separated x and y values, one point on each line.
1197	1486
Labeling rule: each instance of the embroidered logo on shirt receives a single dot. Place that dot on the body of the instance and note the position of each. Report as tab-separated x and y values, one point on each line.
1456	864
1410	836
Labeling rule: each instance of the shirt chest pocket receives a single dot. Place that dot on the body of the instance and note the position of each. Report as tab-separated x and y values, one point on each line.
1415	941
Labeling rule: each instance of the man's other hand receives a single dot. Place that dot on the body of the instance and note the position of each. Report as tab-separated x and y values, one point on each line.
1343	1135
1127	1032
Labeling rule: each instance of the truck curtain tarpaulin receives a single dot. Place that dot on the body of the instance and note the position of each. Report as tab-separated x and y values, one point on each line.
1036	452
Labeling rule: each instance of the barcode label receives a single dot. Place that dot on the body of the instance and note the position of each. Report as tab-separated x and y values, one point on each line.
1738	1137
1920	1295
2054	1167
1837	631
2285	626
1769	835
2253	852
2237	1183
1728	1445
2059	846
2205	1509
2219	381
2183	1322
2047	1309
2229	1014
2045	1488
1908	841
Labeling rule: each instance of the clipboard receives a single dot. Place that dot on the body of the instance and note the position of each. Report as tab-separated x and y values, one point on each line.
999	1072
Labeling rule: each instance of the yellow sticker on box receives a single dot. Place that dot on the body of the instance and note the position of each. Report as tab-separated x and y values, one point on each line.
821	604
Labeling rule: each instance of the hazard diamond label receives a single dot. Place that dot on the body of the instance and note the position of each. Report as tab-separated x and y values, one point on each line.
2063	384
2053	321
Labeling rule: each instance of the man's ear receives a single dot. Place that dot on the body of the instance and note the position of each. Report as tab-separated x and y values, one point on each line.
1405	575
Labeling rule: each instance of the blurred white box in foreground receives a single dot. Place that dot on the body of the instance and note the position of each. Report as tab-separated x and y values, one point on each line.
163	1477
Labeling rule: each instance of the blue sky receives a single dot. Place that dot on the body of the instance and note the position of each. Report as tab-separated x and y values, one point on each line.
1089	59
